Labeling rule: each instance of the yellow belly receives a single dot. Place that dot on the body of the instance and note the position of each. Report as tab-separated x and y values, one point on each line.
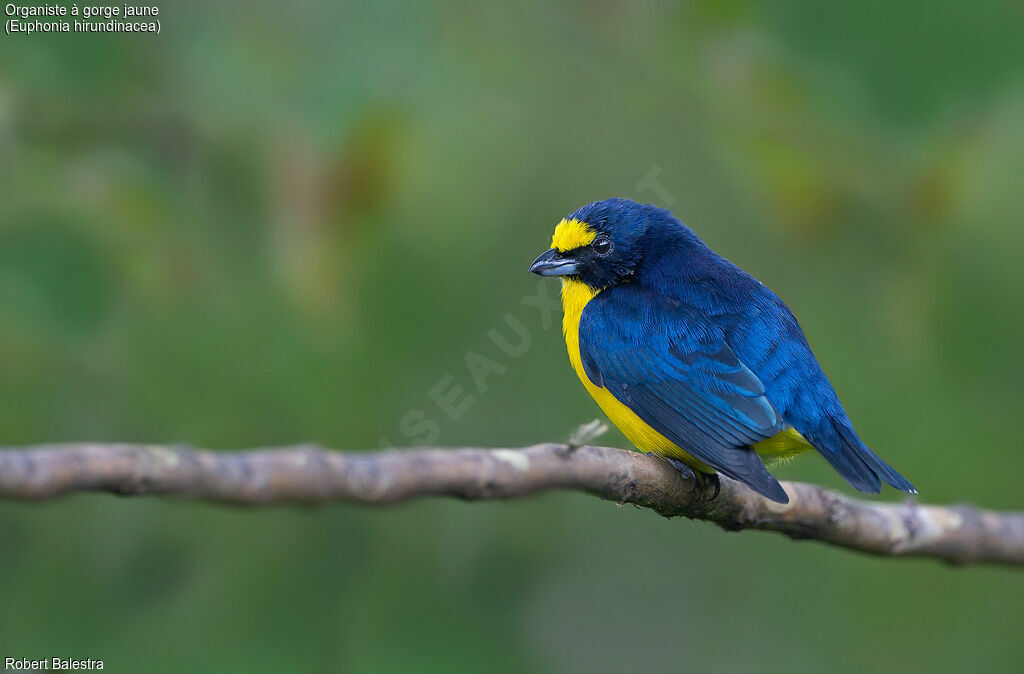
575	296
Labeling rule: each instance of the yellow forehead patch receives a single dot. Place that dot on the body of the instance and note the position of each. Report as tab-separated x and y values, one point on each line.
571	234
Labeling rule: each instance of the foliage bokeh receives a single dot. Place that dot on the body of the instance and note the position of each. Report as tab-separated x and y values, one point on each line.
278	223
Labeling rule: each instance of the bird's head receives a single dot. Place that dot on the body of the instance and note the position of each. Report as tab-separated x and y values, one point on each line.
605	242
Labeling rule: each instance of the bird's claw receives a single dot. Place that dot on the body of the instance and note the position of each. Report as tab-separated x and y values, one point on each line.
696	479
686	470
584	435
716	483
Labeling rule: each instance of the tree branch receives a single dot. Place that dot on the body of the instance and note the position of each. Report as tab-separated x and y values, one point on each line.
955	534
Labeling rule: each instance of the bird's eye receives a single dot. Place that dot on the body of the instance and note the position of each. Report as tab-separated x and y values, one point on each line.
602	245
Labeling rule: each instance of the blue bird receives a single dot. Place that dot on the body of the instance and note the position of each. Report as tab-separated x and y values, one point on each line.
693	358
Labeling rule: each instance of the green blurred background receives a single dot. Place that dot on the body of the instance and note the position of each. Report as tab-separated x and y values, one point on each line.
282	223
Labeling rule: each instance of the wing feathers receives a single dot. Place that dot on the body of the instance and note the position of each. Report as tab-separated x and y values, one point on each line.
682	379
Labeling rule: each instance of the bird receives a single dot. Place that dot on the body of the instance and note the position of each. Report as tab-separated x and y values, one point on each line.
691	357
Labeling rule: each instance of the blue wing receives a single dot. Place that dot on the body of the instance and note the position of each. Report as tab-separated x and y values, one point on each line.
674	369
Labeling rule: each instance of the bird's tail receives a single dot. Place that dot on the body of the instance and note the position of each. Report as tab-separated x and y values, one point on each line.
848	454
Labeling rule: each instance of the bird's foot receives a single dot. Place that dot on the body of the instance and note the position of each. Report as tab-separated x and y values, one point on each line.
686	470
706	481
584	435
716	484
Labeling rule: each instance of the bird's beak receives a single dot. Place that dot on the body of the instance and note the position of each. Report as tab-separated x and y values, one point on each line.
553	263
